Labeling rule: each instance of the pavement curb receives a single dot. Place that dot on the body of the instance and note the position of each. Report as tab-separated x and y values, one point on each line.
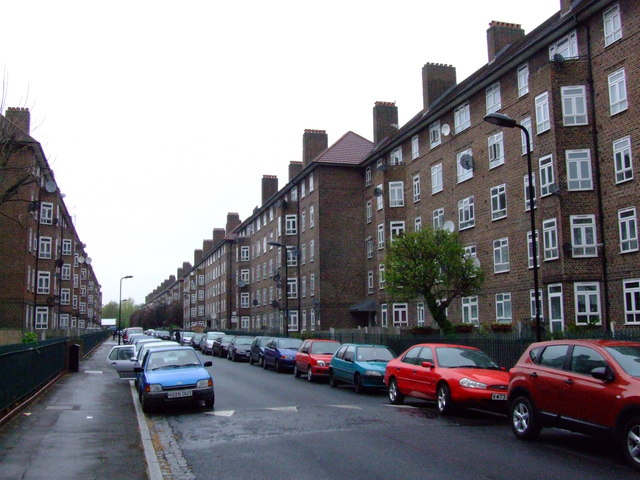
153	466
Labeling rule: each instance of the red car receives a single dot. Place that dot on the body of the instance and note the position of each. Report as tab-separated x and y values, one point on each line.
313	358
449	374
587	386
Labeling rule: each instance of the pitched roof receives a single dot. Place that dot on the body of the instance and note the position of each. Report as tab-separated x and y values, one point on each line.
350	149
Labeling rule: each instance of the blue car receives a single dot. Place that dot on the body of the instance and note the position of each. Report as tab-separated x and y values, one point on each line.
280	353
174	375
362	366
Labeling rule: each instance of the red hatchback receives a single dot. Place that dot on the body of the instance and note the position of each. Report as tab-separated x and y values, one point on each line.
587	386
449	374
313	358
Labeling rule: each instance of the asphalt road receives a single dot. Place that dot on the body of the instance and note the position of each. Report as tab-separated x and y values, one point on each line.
272	426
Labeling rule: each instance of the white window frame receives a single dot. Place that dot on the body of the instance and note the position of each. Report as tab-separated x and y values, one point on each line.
503	308
381	276
436	178
400	315
470	311
396	194
567	46
435	136
498	202
543	115
46	213
370	282
463	174
368	212
631	294
367	176
612	25
395	157
555	304
551	250
380	198
501	263
493	98
462	117
415	147
623	159
466	213
292	288
438	218
43	282
291	224
42	318
579	176
618	100
584	240
574	105
527	200
396	228
526	123
495	147
66	246
417	224
381	236
584	294
530	249
44	247
416	188
420	314
384	315
628	229
523	79
547	178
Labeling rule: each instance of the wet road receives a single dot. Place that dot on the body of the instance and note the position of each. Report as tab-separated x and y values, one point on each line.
269	425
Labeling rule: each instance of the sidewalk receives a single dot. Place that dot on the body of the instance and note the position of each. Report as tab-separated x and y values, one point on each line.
83	427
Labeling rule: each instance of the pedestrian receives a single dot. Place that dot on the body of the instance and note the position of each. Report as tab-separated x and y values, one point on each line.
178	336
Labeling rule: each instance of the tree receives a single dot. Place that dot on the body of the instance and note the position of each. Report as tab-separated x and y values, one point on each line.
432	265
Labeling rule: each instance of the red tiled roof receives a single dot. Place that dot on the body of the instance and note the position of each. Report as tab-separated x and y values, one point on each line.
350	149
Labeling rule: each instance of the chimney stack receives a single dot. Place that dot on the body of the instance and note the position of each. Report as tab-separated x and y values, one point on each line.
314	142
19	117
269	187
207	245
218	235
385	120
501	34
565	6
233	220
437	78
294	169
197	256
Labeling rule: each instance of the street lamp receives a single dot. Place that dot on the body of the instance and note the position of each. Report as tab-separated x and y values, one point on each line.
286	285
505	121
120	308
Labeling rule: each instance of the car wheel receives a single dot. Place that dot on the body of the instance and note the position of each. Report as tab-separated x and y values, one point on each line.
208	404
309	374
264	364
445	405
357	384
296	372
250	360
395	397
278	367
631	442
332	380
524	419
144	404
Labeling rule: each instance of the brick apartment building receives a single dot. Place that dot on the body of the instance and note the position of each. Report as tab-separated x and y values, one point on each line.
48	282
573	84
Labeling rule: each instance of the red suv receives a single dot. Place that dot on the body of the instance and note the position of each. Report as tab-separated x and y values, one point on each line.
587	386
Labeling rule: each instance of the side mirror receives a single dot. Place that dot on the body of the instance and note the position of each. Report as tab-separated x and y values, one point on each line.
138	369
208	364
427	365
603	373
133	359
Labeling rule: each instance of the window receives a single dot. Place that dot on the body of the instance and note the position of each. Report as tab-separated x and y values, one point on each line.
496	150
292	288
303	286
384	314
244	254
567	47
395	158
65	272
438	218
369	211
396	194
367	176
312	217
436	178
583	236
462	118
44	249
622	159
64	320
303	221
65	296
546	176
312	284
396	229
466	213
434	134
381	279
527	199
379	192
293	321
612	25
543	121
499	202
556	312
291	225
617	92
579	170
631	290
46	213
44	282
523	80
464	164
415	147
381	236
310	182
503	307
492	94
303	254
312	250
420	316
535	306
501	255
587	298
574	106
550	239
400	315
292	257
66	246
244	275
526	123
370	282
416	188
303	189
42	318
470	310
530	249
369	247
628	226
417	224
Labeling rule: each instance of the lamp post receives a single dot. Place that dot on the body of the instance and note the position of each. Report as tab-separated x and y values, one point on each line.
285	283
120	308
505	121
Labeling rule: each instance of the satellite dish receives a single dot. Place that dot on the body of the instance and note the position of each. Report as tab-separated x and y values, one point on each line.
382	167
449	226
476	262
276	277
50	186
466	161
242	283
255	303
377	192
87	260
558	58
445	129
80	259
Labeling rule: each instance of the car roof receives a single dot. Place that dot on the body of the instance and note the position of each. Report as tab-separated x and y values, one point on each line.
440	345
587	341
364	345
321	340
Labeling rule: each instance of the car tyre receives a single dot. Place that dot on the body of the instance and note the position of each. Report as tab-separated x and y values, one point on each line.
144	404
524	419
251	362
332	380
264	364
208	404
357	384
445	405
395	397
631	442
278	367
310	376
296	372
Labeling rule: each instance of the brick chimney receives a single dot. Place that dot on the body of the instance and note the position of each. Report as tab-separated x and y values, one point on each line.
197	256
233	220
218	235
314	142
269	187
207	245
294	169
385	120
437	78
20	117
565	6
186	268
179	273
501	34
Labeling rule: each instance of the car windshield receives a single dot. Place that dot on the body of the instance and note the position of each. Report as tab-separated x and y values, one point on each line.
263	341
456	357
227	338
374	354
244	341
212	335
291	343
324	348
187	334
628	357
172	359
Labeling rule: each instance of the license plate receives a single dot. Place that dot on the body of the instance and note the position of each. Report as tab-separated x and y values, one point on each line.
180	393
499	396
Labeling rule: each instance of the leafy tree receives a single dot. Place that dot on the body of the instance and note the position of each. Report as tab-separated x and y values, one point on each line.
431	264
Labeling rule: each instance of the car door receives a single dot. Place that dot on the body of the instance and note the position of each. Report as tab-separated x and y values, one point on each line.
302	357
119	359
546	378
404	370
341	361
269	353
426	378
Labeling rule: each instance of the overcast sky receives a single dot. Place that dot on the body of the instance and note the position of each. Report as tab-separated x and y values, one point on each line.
160	117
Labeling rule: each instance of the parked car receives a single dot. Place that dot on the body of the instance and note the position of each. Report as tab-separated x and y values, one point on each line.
257	349
163	334
239	348
312	360
130	331
174	375
195	340
185	338
359	365
119	358
280	353
145	347
449	374
587	386
221	345
206	344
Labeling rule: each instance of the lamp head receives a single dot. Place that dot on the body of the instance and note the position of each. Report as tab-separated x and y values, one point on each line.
500	119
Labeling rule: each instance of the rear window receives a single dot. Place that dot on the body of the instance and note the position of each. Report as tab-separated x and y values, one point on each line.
553	356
